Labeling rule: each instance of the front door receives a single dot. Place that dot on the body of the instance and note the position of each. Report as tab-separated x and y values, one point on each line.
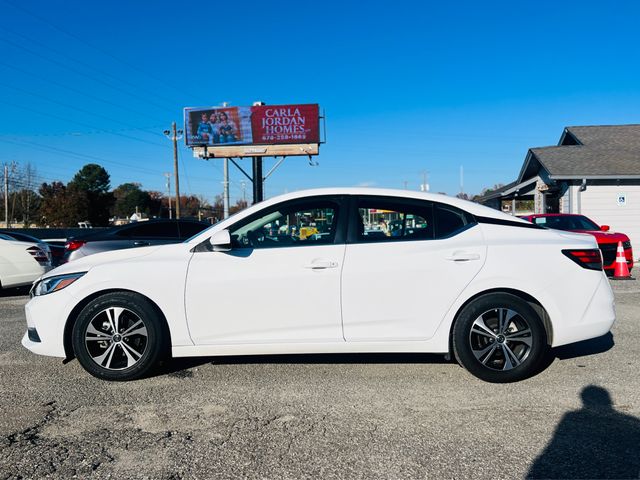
280	283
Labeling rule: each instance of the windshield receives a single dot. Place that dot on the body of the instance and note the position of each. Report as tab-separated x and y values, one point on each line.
569	222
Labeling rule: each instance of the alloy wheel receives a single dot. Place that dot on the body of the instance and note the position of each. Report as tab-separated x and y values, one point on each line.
116	338
501	339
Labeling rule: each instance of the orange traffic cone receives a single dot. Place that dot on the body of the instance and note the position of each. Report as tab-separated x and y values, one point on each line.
621	271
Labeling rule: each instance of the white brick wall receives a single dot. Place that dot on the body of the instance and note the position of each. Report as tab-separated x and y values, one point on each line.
599	202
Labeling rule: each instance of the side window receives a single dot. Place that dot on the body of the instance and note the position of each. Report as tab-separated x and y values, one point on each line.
382	220
299	224
450	220
154	230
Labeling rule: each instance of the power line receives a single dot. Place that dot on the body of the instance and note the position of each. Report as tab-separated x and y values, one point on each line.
78	72
75	90
82	133
21	107
61	151
83	41
86	65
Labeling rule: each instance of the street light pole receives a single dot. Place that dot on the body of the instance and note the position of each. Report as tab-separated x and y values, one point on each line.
6	196
175	166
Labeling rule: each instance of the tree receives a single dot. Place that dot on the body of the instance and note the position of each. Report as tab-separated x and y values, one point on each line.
94	181
92	178
62	206
240	205
128	197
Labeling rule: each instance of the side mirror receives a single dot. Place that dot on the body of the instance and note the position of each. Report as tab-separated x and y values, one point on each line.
604	228
221	241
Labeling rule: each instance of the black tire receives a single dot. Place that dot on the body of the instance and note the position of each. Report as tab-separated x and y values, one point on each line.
135	349
497	355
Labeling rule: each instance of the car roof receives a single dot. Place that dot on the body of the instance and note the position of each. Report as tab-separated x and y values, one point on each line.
473	208
555	215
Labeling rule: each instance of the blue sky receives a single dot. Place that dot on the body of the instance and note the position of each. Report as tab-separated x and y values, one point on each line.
406	86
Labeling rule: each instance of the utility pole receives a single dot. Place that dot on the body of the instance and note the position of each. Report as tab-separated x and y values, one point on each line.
461	179
6	196
425	186
168	177
243	184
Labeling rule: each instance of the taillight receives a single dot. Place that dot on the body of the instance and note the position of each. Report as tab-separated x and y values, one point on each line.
39	255
590	259
72	245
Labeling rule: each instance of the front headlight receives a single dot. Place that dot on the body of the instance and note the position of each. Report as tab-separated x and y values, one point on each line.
55	283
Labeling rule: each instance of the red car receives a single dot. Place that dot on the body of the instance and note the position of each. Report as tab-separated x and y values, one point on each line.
607	241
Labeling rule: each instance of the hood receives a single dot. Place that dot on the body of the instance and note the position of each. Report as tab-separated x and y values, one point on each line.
85	264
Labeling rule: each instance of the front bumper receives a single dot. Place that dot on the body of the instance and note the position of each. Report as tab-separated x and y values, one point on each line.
46	316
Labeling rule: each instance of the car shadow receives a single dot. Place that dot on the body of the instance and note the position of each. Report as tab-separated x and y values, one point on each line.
595	441
15	291
177	367
585	348
180	367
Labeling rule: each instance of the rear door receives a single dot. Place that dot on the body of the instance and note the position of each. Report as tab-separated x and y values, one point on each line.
406	262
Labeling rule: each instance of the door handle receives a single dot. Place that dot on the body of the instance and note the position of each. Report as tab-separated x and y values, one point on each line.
463	257
321	264
141	243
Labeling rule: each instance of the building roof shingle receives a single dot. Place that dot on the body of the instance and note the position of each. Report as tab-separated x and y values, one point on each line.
601	151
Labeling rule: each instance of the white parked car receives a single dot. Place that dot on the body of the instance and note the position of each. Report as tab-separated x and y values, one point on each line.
21	262
453	277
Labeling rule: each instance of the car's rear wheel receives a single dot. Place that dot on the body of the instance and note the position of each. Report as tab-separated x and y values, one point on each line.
119	336
499	338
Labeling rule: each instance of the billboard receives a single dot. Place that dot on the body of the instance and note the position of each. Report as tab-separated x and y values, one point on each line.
257	125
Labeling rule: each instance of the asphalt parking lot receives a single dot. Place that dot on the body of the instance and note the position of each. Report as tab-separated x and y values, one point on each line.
344	416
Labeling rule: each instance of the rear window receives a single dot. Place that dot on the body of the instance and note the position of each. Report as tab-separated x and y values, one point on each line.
450	220
570	222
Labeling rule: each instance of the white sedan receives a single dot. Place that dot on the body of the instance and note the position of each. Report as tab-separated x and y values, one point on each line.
21	262
450	277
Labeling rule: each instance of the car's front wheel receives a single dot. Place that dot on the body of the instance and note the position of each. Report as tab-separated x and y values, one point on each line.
119	336
499	338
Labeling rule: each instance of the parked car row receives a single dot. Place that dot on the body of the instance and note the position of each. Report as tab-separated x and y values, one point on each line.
24	258
142	234
22	262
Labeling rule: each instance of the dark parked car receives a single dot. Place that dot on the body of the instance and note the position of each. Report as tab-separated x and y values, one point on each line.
139	234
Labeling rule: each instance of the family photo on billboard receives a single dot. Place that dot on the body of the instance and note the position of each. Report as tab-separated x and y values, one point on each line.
257	125
215	127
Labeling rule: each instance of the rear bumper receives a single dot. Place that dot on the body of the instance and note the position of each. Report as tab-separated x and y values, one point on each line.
597	318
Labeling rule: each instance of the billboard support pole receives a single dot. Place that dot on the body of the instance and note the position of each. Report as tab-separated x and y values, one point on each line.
225	184
273	169
258	193
241	169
